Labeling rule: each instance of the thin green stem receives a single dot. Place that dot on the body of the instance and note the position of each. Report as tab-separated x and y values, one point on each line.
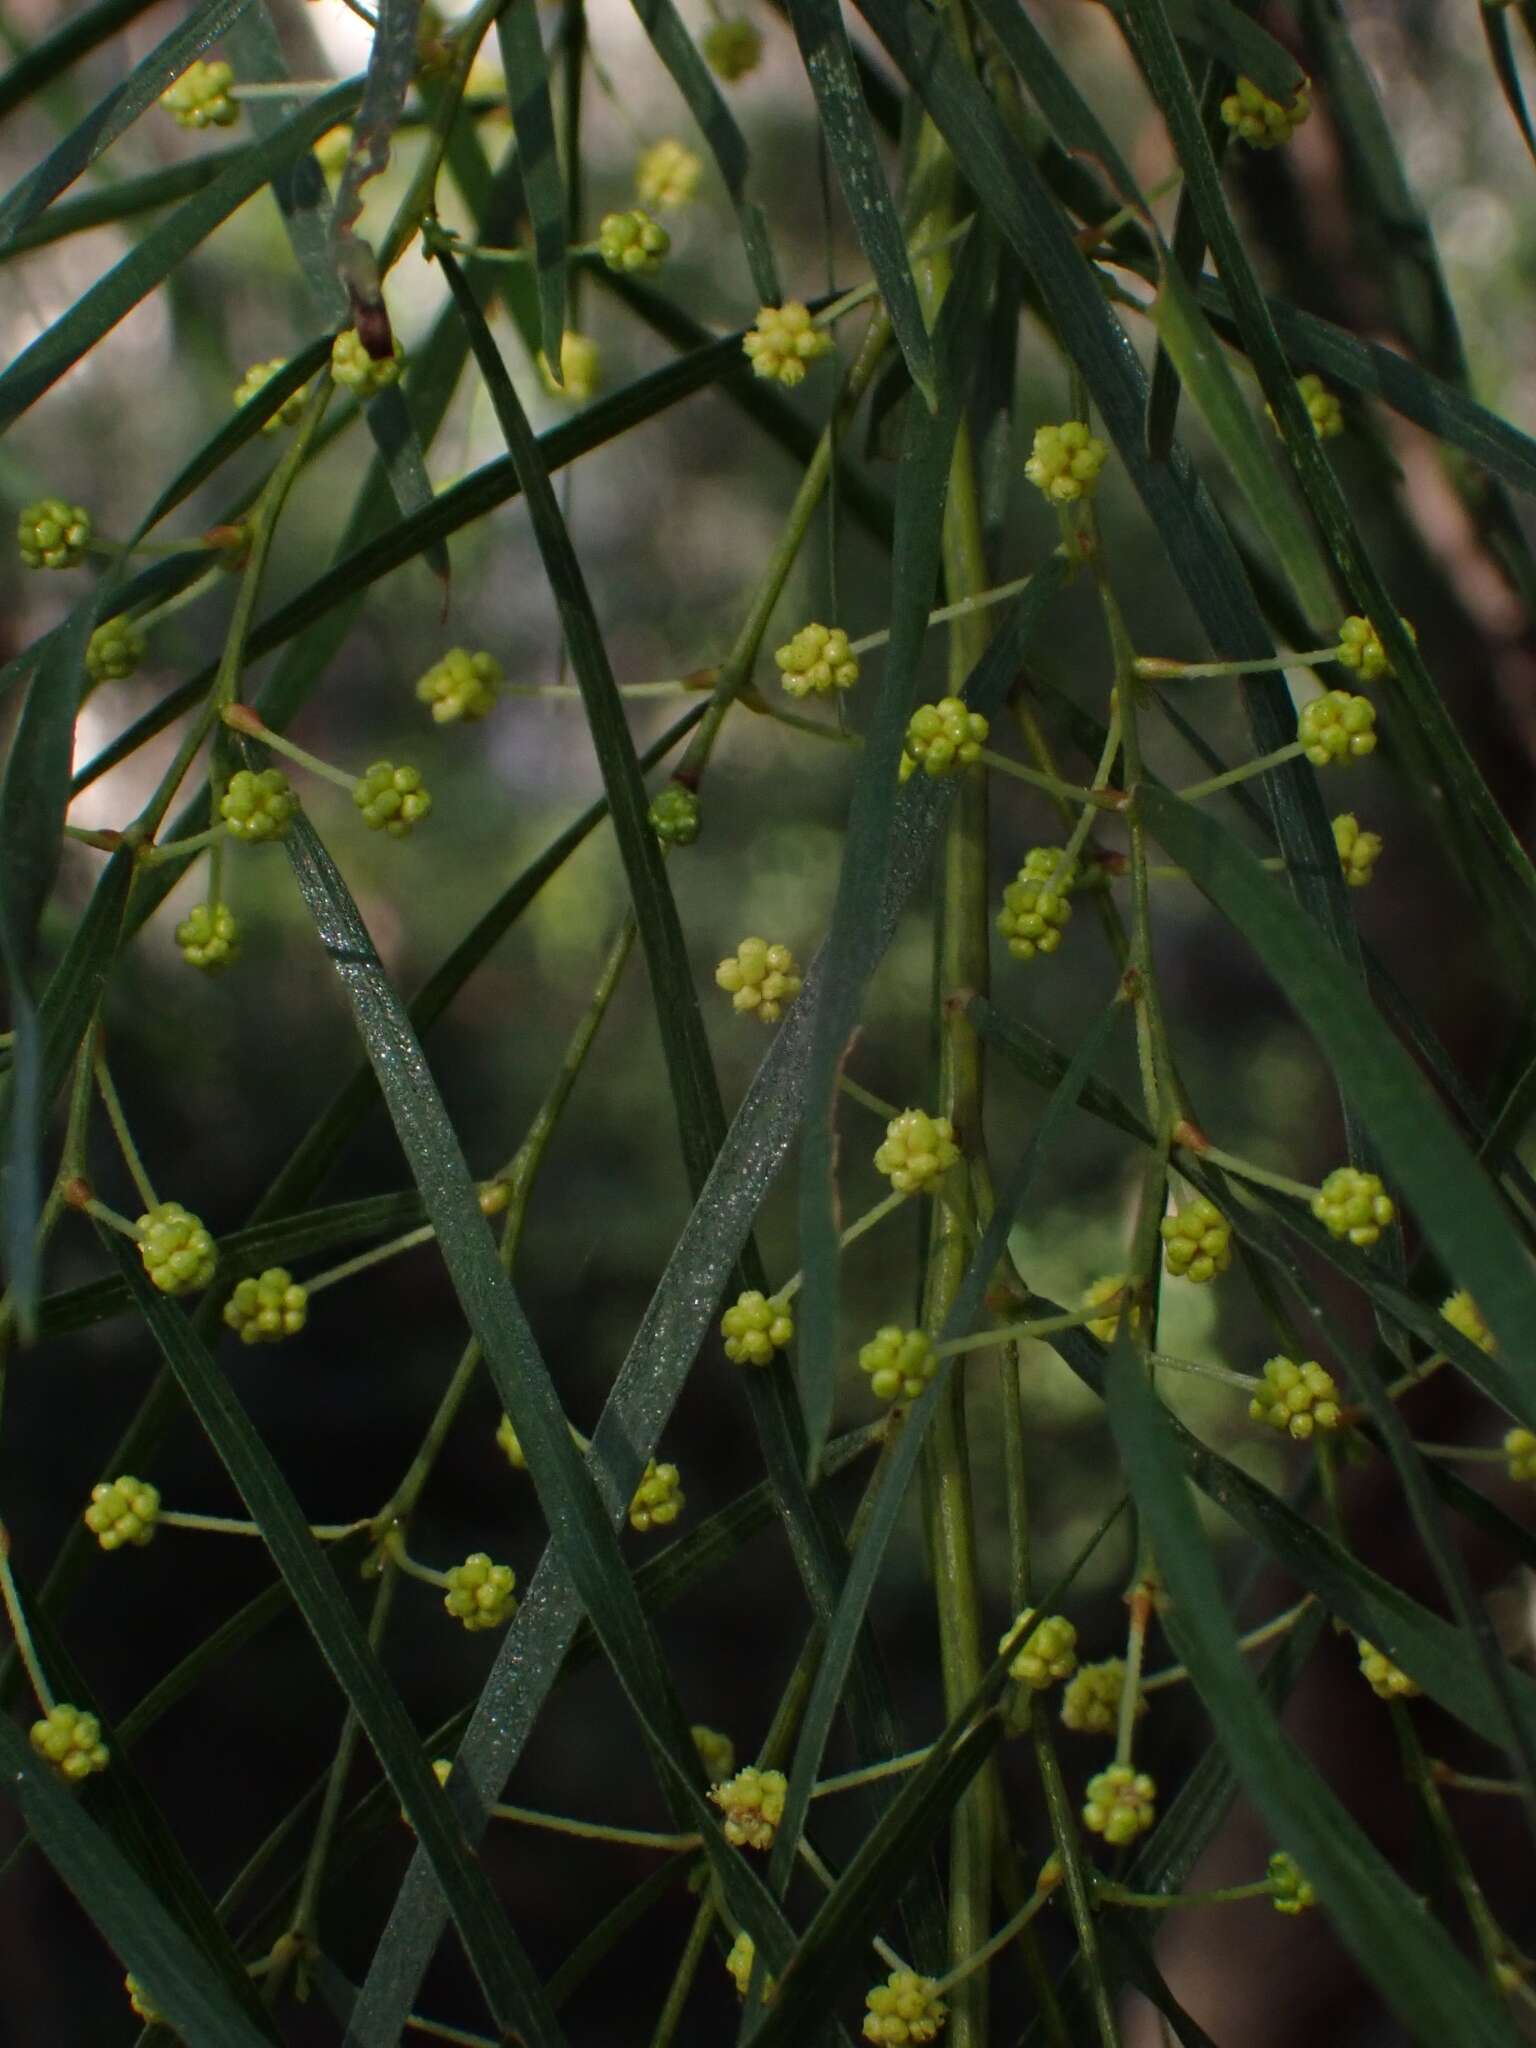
1160	669
198	588
737	666
1464	1781
439	2030
876	1103
1491	1939
1008	1932
861	294
855	1230
1244	1169
1108	1894
1141	1602
112	1218
1077	839
1245	1382
119	1122
1063	1820
1275	863
246	721
818	1869
687	1970
594	1831
962	608
261	522
871	1774
1466	1454
1010	1333
183	849
1255	1639
365	1261
1070	792
393	1551
306	1906
19	1629
1104	230
1233	776
228	1525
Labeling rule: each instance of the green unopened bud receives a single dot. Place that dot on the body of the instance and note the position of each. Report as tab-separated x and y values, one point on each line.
731	49
942	738
900	1363
178	1253
917	1152
1337	727
114	651
632	242
53	534
202	97
1261	122
1066	462
1353	1204
391	799
480	1593
461	685
1120	1804
256	380
675	815
784	342
365	376
818	659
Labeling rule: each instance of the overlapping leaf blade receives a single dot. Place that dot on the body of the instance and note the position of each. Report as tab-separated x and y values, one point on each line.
850	137
504	1973
118	111
1410	1958
1427	1160
156	1950
137	274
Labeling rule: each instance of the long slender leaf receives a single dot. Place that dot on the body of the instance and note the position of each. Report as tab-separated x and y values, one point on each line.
270	1242
1008	186
122	201
850	138
855	1906
1236	40
480	492
34	795
1426	1158
119	110
900	1466
1411	1960
533	123
66	45
1414	392
156	1950
1429	737
1206	375
304	200
664	1347
691	75
122	1805
689	1070
1502	56
505	1975
853	944
583	1502
98	311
